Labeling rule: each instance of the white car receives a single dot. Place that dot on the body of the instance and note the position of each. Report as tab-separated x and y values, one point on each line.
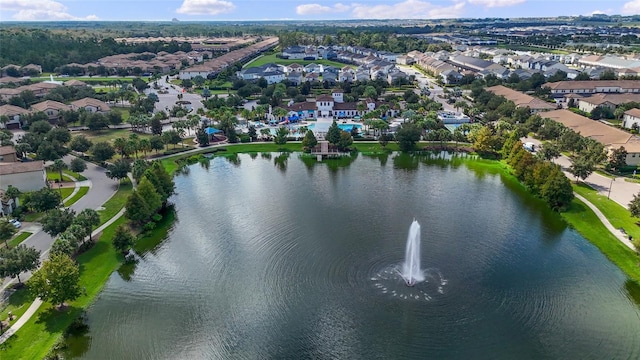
15	223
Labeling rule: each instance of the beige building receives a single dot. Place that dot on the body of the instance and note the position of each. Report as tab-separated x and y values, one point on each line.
608	101
13	113
51	109
610	137
90	105
521	99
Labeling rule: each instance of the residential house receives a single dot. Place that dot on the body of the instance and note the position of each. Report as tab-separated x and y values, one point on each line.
586	87
608	101
13	113
26	176
313	68
75	83
51	108
293	68
631	118
295	78
90	105
522	100
609	136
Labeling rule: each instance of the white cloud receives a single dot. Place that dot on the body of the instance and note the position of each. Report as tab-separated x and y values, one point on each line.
205	7
409	9
312	9
29	10
631	8
601	12
496	3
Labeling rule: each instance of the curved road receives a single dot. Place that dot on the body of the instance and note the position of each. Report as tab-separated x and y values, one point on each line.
101	188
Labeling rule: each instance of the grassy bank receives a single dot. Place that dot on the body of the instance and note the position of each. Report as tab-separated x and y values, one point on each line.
116	203
46	326
618	216
585	221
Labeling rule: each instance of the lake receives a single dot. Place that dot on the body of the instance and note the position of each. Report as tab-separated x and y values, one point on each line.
277	257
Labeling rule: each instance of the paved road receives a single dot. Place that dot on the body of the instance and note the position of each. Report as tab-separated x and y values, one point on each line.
167	101
100	190
621	191
425	81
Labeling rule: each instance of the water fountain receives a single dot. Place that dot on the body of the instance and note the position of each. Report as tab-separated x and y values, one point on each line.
411	272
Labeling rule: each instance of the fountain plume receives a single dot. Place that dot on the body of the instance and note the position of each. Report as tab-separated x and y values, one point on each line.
411	272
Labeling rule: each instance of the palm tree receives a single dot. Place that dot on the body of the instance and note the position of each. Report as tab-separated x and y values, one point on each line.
144	145
120	144
58	165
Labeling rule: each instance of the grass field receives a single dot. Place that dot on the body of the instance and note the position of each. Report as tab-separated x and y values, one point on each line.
116	203
532	48
618	216
110	135
82	192
273	59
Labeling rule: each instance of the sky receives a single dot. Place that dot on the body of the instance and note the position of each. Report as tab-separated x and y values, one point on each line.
220	10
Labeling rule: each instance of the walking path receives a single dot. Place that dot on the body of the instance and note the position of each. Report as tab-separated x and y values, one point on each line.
37	302
617	233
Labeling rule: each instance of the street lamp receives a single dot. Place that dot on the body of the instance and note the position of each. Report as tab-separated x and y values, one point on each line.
611	183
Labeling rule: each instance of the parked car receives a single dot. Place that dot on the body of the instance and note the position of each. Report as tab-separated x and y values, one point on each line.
15	223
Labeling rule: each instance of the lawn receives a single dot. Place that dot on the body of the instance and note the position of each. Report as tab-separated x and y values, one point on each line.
54	175
273	59
618	216
110	134
19	238
116	203
123	112
42	331
18	303
587	223
82	192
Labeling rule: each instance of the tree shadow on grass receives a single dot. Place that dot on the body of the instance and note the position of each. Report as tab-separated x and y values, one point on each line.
57	321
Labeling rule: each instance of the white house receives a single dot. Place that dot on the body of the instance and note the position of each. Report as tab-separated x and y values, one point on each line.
90	105
630	118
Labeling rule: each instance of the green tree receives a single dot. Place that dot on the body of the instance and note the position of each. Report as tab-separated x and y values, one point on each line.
407	137
65	244
88	219
12	193
549	151
6	230
161	180
58	165
43	200
557	191
156	143
137	209
77	165
57	281
202	137
102	151
119	169
156	126
123	239
281	136
17	260
80	143
484	141
634	206
309	141
333	134
40	127
581	168
617	158
150	195
138	168
56	221
59	134
345	141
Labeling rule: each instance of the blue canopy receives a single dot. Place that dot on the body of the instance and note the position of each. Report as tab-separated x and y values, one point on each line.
211	130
